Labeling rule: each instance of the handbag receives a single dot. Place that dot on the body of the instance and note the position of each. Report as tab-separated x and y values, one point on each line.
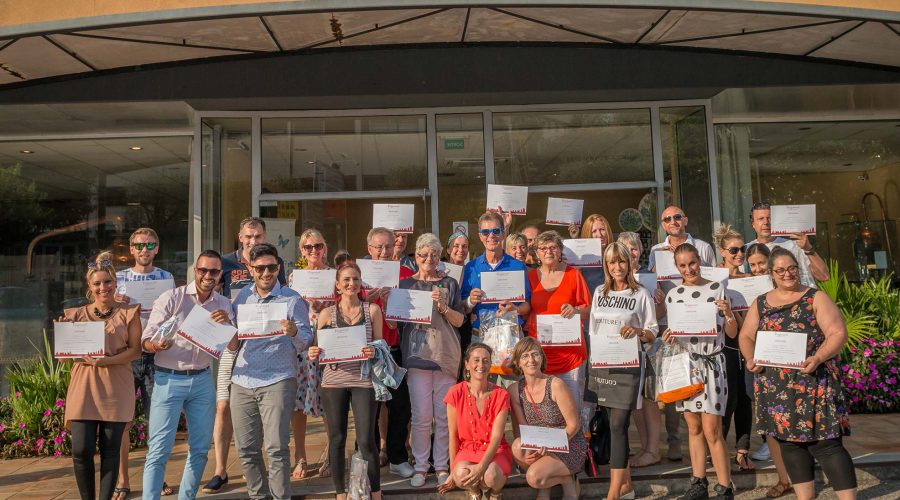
598	446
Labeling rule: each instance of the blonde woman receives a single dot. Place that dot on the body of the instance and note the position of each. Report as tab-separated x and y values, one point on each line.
595	226
517	246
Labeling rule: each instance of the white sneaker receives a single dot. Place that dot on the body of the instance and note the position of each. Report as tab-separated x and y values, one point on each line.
442	477
403	470
418	480
762	453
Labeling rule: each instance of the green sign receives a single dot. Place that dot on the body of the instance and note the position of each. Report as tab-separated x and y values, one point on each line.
454	144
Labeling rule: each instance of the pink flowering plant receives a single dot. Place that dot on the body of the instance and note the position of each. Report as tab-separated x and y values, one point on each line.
870	374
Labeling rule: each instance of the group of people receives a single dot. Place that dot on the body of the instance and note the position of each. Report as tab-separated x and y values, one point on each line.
435	385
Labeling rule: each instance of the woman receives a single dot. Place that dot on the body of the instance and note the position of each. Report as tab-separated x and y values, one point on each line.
595	226
620	307
458	249
342	383
703	413
480	457
517	246
431	354
804	409
314	256
757	256
100	398
738	406
544	400
647	416
557	288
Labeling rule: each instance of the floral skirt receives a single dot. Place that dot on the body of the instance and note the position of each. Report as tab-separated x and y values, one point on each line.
308	400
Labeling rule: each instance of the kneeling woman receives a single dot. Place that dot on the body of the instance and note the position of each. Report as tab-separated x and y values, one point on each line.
480	457
545	401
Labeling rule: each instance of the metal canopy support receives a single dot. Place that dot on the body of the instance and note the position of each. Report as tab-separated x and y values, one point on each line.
652	27
71	53
832	39
557	26
163	43
376	28
271	33
752	32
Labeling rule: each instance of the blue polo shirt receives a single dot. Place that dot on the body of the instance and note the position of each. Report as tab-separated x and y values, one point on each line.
472	279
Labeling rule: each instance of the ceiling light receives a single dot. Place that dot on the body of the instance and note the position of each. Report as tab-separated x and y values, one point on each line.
135	148
26	151
805	128
133	204
311	162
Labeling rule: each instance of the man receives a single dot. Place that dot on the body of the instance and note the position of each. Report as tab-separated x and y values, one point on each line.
143	244
236	275
812	265
183	379
264	383
400	241
531	231
674	222
381	246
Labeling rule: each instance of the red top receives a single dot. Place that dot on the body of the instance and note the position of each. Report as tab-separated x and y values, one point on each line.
571	290
473	430
390	335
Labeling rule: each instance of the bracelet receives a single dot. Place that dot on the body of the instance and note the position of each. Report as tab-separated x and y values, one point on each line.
811	252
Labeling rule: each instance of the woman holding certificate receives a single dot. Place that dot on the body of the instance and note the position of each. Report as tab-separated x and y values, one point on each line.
559	289
431	354
342	384
699	318
100	399
480	457
800	400
622	317
595	226
544	401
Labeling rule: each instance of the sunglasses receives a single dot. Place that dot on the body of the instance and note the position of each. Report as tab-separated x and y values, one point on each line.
676	218
490	232
212	272
141	246
272	268
314	246
99	265
735	250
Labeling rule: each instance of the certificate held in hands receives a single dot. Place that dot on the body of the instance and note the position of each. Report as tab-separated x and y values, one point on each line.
314	284
146	292
747	290
259	321
411	306
693	319
513	199
379	273
793	219
564	211
583	252
533	437
78	339
209	336
780	349
397	217
500	286
554	330
342	344
610	350
452	270
666	270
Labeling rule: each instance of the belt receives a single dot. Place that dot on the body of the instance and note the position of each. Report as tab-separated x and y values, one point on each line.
188	373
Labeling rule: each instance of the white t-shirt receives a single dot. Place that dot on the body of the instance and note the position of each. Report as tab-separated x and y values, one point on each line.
707	254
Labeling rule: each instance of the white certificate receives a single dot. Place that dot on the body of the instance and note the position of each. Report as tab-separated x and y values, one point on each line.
398	217
780	349
610	350
257	321
314	284
666	270
79	339
583	252
532	437
647	280
379	273
452	270
747	290
564	211
341	344
793	219
412	306
554	330
499	286
694	319
146	292
211	337
508	198
675	372
718	274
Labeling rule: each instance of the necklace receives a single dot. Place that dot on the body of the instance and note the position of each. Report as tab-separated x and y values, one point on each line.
104	315
350	319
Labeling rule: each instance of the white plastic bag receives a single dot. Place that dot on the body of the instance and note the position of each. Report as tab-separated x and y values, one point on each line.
678	374
359	488
166	330
500	332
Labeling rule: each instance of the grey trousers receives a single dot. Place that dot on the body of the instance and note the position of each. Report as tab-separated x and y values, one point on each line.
262	421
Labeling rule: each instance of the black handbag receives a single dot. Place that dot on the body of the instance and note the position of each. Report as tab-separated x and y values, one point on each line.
598	446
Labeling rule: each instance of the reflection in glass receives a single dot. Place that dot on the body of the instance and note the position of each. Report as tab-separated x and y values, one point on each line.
685	155
225	179
460	170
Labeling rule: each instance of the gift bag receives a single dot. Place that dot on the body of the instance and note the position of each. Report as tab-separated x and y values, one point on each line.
500	332
166	331
359	487
678	376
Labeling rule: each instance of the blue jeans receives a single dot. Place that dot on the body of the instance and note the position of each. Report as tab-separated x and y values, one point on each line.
195	394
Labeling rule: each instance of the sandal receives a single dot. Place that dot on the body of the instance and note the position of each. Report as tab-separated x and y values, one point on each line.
121	491
300	470
645	459
778	490
742	457
166	490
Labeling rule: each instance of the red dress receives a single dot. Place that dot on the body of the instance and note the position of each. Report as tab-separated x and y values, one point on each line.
474	430
572	290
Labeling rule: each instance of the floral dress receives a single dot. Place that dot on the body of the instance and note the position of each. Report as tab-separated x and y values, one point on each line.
308	376
791	405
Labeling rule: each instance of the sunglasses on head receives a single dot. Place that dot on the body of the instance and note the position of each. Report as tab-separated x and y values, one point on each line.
490	232
735	250
314	246
669	218
212	272
99	265
141	246
272	268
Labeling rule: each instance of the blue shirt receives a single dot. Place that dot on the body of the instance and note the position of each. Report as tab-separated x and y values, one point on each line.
472	279
263	362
